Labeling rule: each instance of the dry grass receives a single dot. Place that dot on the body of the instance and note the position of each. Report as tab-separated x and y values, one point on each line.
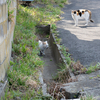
77	68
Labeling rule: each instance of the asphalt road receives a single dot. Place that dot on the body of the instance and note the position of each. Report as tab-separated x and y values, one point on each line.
83	42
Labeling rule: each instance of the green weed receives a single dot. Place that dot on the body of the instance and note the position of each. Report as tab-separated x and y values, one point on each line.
62	74
98	76
52	1
93	68
58	40
61	5
10	12
53	26
63	1
12	63
66	54
88	98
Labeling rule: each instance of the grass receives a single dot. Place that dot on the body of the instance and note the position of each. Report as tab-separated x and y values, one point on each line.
58	40
65	53
10	12
93	68
62	74
88	98
98	76
26	62
52	1
23	77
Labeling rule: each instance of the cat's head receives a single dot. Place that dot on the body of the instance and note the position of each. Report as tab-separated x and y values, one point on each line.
43	44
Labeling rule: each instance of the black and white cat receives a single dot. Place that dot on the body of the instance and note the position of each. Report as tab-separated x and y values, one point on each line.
81	14
43	46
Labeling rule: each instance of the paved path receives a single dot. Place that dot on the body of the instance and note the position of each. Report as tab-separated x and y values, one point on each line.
83	42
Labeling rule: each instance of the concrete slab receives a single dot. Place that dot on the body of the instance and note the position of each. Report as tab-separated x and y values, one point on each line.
88	84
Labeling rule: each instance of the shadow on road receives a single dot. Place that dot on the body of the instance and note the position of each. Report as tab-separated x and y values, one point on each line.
88	52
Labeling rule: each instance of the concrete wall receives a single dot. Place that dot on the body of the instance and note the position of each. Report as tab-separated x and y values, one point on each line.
55	50
58	56
6	35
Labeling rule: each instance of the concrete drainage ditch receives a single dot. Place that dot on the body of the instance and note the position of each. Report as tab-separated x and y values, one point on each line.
50	68
85	85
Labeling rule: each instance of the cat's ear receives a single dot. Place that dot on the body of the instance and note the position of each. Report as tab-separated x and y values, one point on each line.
46	42
39	41
72	11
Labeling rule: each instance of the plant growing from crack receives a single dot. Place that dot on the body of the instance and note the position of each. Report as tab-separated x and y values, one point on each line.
10	12
62	74
91	68
58	40
65	53
88	97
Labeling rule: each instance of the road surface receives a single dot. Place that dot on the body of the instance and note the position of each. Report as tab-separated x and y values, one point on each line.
83	41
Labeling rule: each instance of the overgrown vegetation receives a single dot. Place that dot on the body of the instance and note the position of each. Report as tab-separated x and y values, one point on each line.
60	3
88	98
93	68
78	68
10	12
62	75
23	76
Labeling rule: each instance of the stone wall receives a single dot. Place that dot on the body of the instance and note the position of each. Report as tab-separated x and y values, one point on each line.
6	35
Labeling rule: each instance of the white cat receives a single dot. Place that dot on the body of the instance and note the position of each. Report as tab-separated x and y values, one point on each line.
43	46
81	14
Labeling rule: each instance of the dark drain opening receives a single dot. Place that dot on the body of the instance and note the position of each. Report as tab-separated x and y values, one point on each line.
72	95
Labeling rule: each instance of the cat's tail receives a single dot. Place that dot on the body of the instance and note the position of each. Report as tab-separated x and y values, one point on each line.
91	21
90	16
